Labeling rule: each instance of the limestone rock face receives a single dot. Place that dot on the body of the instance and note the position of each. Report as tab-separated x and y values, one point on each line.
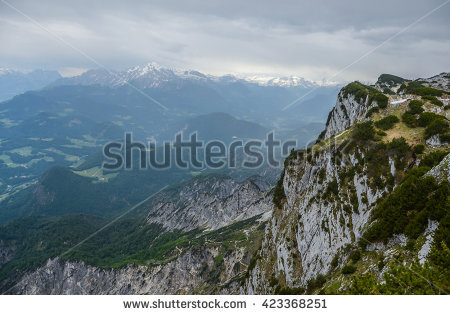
210	203
310	228
184	275
314	225
345	113
435	142
304	236
442	170
440	81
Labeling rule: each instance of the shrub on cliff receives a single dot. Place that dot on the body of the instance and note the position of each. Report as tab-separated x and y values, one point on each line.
363	131
387	123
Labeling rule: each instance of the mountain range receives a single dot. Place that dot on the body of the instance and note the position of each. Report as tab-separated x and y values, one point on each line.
13	82
362	209
155	75
67	122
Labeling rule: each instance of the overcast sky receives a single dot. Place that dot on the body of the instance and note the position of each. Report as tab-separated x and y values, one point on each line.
311	39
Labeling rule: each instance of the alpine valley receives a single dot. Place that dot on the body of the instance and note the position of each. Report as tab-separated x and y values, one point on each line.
362	207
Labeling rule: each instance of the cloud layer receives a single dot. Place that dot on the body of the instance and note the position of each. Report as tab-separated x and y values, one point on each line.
312	39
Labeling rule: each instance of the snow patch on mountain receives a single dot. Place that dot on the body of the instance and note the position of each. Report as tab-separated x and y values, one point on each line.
153	75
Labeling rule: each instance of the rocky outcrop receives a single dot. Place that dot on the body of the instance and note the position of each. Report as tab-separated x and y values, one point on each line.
188	274
440	81
209	202
425	250
314	224
435	142
441	171
347	111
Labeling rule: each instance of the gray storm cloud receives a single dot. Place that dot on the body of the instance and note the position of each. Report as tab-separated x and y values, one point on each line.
312	39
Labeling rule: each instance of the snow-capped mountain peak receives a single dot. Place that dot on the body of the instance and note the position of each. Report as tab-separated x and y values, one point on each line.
4	71
143	70
153	74
289	81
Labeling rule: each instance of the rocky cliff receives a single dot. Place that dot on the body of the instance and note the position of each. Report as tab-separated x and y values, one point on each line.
211	203
347	111
327	193
192	272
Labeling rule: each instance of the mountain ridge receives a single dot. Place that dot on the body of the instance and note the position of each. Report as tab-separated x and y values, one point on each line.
153	75
13	82
325	198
